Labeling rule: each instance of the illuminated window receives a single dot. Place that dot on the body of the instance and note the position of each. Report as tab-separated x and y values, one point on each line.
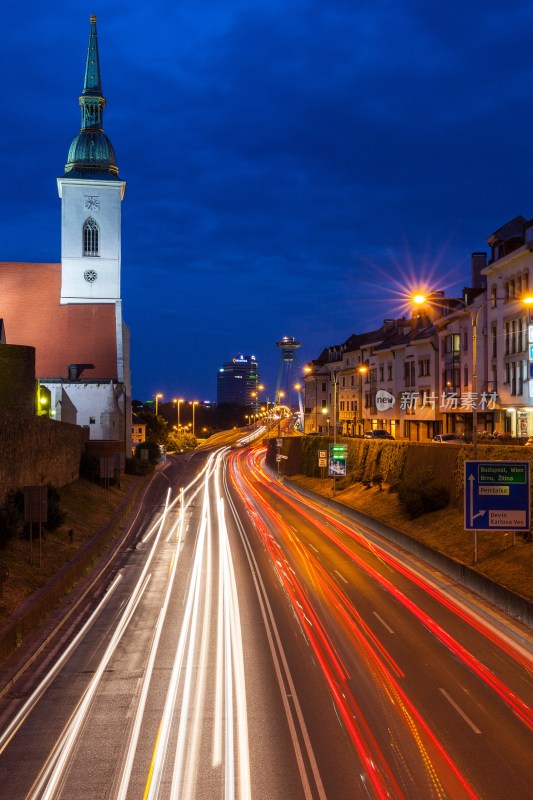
90	237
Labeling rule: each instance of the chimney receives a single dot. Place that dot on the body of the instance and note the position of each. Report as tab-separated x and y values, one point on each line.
478	262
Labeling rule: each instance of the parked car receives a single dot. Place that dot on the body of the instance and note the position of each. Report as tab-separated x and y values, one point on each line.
378	434
448	438
529	442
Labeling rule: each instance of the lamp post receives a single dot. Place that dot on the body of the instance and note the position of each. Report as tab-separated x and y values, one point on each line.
158	395
178	403
420	300
193	403
335	390
280	396
362	370
308	371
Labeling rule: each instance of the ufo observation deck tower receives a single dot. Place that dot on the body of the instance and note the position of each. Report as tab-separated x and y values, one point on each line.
287	346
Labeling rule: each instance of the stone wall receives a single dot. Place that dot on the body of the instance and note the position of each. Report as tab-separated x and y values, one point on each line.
17	378
37	450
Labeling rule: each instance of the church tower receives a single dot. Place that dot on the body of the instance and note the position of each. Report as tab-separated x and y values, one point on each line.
91	195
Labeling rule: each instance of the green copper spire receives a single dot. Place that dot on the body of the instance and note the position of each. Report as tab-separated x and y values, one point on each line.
92	85
91	154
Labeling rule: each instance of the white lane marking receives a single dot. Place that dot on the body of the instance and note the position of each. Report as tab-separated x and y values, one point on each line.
312	545
459	711
340	576
387	627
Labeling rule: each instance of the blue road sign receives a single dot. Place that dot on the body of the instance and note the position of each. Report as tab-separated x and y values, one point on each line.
337	467
497	496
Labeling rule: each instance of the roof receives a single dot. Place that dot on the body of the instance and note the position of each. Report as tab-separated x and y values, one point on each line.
61	334
512	229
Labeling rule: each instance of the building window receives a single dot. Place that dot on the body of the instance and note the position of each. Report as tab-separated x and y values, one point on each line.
92	421
451	379
465	341
90	237
506	337
389	372
381	373
465	376
493	296
423	367
324	387
494	341
452	343
409	373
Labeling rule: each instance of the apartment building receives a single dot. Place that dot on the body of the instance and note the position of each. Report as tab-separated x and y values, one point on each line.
454	363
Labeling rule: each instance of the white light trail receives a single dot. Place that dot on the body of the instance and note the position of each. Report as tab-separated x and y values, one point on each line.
34	698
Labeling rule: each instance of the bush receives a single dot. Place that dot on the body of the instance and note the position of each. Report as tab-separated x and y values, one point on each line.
154	452
11	520
134	466
56	516
377	480
420	494
90	467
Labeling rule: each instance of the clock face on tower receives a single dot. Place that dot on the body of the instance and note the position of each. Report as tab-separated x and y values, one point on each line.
92	202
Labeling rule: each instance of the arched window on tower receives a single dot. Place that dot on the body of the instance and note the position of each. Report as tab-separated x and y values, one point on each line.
90	237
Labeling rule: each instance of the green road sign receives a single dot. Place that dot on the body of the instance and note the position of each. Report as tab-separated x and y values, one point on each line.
502	473
337	452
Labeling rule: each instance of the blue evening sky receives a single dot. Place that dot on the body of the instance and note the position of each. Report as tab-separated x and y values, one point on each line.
291	166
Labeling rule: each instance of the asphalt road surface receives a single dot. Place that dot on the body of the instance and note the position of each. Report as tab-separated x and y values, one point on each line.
253	645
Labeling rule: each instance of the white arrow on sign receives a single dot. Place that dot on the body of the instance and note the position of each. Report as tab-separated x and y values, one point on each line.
479	513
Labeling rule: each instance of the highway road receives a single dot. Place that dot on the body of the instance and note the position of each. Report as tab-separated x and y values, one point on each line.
252	645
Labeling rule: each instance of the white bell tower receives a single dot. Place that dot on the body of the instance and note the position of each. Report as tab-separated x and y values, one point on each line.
91	195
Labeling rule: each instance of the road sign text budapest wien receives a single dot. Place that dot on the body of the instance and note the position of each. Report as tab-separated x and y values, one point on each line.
337	460
497	496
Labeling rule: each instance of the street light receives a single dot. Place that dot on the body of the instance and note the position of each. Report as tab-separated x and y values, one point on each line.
158	395
193	403
280	396
178	402
308	371
362	370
